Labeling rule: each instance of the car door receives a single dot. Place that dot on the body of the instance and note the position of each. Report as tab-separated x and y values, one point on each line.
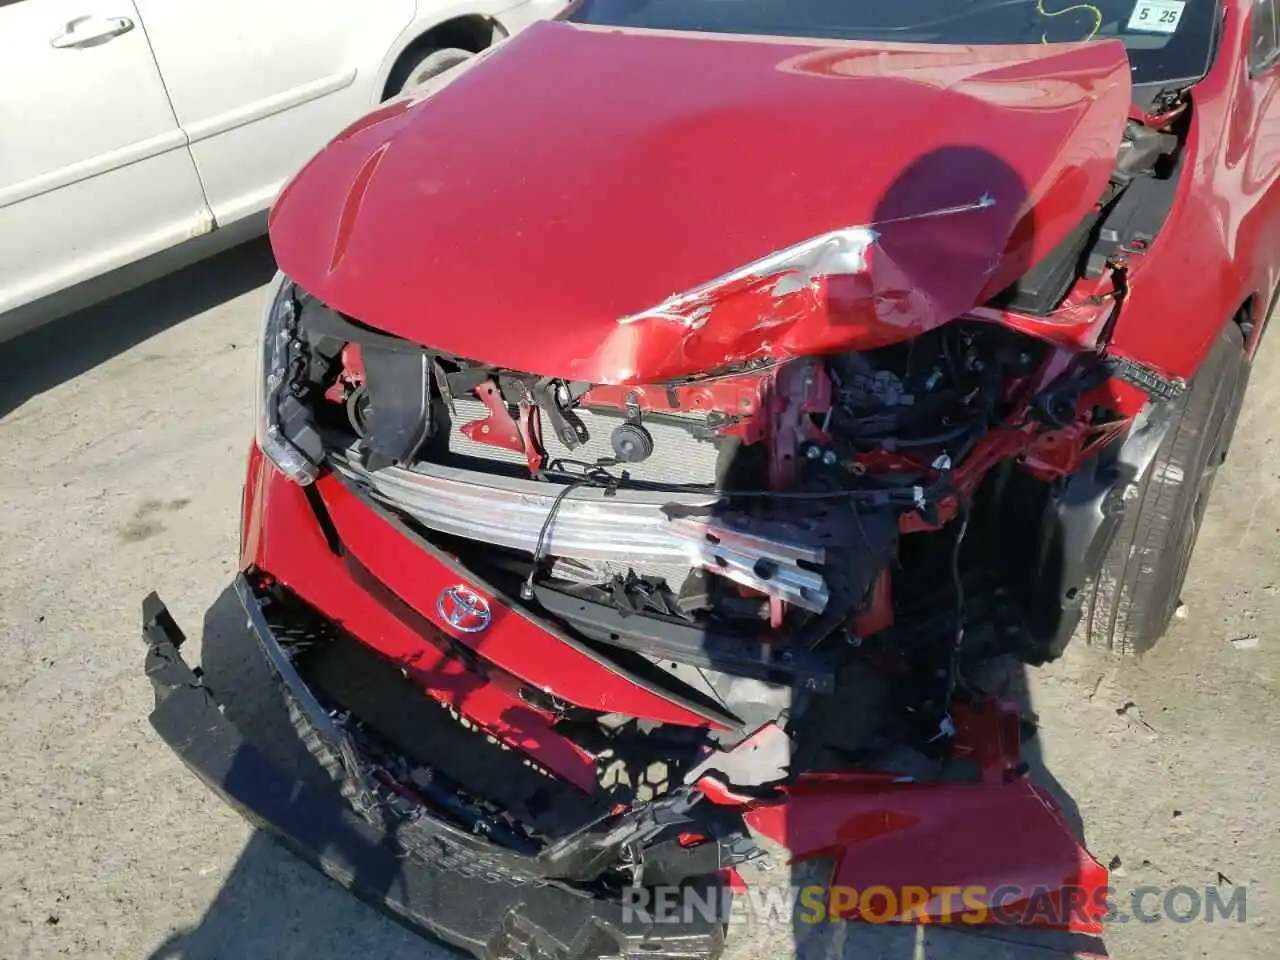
94	169
1251	174
260	86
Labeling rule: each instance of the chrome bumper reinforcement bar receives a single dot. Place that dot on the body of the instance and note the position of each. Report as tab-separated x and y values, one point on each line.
590	523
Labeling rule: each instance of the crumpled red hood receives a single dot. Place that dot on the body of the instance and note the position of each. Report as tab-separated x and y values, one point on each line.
618	206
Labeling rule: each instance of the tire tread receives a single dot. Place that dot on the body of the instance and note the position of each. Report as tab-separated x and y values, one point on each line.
1131	600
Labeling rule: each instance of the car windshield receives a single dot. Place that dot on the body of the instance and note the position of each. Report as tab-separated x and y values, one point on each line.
1167	40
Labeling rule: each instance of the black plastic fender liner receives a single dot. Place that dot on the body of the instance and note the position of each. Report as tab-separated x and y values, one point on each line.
1080	521
489	919
398	418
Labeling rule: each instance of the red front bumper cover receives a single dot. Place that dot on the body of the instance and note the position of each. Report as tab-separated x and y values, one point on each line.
993	850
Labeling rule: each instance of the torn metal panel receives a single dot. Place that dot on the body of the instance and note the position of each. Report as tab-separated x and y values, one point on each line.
801	283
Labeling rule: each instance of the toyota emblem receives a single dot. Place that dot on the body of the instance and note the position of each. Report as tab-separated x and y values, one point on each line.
464	609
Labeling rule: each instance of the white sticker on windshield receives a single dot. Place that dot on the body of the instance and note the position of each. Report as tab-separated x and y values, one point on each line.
1157	16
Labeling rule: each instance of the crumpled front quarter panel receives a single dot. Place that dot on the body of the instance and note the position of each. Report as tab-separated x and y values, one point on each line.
1003	847
578	177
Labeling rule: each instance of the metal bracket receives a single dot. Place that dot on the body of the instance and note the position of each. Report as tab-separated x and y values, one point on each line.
1151	381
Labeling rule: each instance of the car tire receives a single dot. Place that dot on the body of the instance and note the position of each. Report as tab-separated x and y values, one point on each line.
1130	602
418	71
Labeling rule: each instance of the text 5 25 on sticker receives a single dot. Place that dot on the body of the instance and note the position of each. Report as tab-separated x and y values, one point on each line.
1157	16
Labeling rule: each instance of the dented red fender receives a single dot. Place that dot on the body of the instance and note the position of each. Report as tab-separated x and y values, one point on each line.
625	206
977	853
997	851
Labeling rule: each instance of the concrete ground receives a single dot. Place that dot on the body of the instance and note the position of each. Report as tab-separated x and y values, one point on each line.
122	434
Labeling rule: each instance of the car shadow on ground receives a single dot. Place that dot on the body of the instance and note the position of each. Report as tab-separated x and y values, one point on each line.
65	348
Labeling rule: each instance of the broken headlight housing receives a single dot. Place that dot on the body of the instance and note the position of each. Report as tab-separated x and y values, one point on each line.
285	430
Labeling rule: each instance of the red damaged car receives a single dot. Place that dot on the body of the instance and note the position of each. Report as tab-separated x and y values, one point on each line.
681	374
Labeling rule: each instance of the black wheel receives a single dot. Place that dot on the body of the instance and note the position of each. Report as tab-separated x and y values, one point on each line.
414	73
1132	599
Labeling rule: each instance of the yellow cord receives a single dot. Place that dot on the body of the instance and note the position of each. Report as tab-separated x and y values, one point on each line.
1097	17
